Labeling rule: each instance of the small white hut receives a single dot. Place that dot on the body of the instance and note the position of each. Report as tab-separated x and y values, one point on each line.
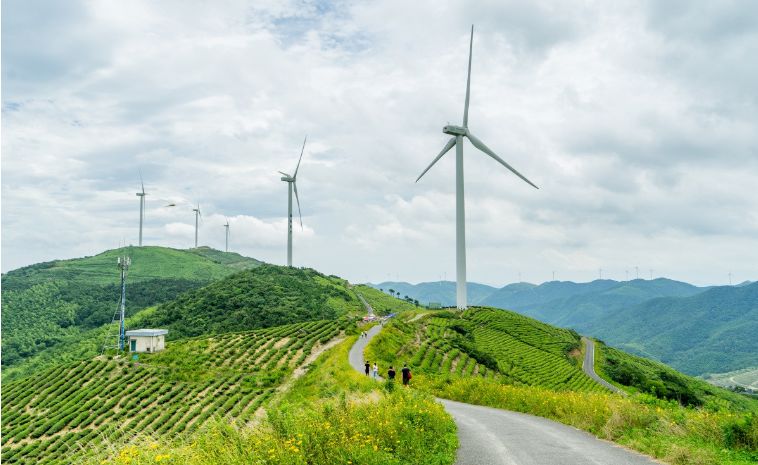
147	340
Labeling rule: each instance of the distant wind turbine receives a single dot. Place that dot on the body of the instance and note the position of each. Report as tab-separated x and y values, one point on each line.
226	226
141	196
291	180
458	133
197	216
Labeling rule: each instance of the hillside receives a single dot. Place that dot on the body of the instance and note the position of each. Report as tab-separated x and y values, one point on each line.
267	295
714	331
47	303
61	413
486	342
264	296
647	317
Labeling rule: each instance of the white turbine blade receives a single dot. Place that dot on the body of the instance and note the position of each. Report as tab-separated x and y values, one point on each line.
141	182
468	79
480	145
294	184
301	157
445	149
284	174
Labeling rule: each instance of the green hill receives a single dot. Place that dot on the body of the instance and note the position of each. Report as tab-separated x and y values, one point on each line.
267	295
50	302
62	413
714	331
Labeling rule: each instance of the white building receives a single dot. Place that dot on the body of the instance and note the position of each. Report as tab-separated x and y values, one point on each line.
147	340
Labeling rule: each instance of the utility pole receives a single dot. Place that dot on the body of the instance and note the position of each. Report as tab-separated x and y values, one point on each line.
123	265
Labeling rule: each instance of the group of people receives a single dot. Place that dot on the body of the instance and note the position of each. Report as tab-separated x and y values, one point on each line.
391	373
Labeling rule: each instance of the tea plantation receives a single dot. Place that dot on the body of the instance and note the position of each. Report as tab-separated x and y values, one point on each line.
60	413
491	343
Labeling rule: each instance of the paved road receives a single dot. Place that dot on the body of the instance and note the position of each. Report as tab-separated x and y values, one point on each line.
589	365
489	436
356	352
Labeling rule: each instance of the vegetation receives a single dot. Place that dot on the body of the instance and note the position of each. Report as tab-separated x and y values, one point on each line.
695	330
264	296
382	303
709	332
46	304
331	415
663	382
489	343
662	429
62	412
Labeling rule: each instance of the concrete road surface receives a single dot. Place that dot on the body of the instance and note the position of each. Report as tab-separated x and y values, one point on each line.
589	365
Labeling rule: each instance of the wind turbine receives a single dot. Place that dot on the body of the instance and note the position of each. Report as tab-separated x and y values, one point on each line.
458	133
197	216
141	196
226	226
291	180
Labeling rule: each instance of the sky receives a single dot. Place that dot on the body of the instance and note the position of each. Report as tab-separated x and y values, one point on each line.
637	120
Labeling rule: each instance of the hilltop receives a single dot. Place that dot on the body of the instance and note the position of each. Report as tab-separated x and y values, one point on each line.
47	303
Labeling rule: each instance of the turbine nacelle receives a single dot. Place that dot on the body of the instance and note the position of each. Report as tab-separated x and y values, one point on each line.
287	179
454	130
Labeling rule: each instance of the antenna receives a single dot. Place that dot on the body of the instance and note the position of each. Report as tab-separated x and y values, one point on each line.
123	263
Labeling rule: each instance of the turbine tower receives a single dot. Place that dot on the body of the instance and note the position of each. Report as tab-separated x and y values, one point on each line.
141	196
197	216
291	181
458	133
226	226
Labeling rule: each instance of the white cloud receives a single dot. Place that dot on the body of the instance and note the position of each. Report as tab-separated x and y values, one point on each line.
636	121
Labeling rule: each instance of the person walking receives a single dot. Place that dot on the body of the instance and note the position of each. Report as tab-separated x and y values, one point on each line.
368	367
406	374
391	373
376	370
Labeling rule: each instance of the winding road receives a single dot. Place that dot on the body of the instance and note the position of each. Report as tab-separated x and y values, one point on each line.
589	366
490	436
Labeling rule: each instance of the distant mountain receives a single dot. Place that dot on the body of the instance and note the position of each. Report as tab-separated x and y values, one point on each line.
578	306
47	303
713	331
442	292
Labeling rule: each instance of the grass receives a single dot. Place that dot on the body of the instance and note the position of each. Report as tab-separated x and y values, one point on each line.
331	415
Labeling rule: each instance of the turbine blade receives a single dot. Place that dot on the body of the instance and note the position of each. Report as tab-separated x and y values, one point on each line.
301	157
480	145
141	182
468	79
445	149
294	184
285	174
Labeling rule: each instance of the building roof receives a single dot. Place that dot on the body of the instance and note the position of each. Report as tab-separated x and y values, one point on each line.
147	332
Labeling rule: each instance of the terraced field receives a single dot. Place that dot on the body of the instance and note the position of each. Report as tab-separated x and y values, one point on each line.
486	342
58	414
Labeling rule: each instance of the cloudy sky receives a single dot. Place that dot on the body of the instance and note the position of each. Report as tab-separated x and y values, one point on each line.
638	120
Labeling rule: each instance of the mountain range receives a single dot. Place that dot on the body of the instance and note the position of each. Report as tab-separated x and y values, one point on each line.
694	329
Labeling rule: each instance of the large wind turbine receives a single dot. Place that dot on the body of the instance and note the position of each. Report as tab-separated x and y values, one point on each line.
197	216
291	181
458	133
226	226
141	196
